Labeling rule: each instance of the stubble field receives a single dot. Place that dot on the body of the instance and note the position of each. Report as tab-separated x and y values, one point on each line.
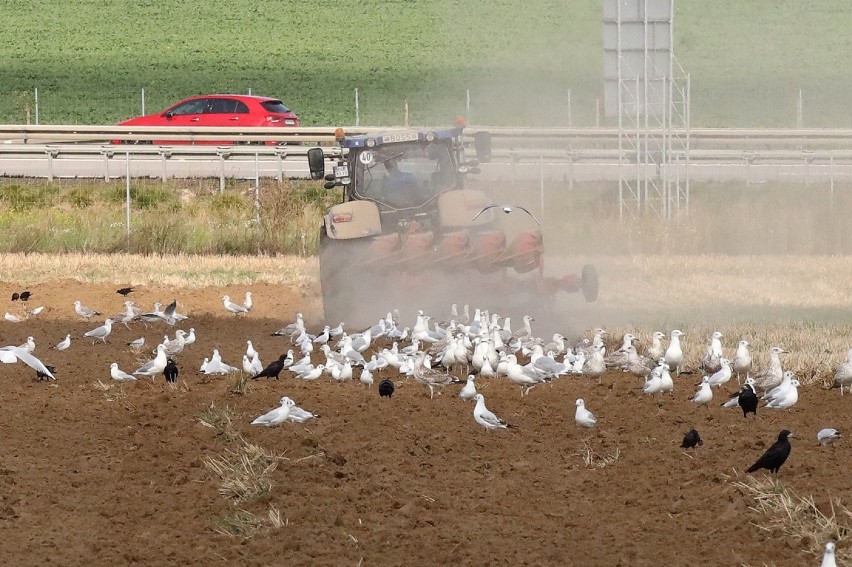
100	472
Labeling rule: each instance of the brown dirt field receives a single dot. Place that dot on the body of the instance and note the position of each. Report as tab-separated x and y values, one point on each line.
95	477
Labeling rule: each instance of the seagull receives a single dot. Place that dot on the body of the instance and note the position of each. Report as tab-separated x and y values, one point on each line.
582	416
137	344
843	373
366	377
787	398
484	417
469	390
11	317
742	360
119	375
84	311
277	416
828	436
431	378
723	375
101	332
704	393
155	366
36	311
12	354
691	440
507	209
828	557
29	345
299	415
248	303
64	343
386	388
775	456
674	354
233	307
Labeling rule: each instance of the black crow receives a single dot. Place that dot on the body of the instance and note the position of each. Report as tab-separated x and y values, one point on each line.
25	295
124	291
42	376
273	370
775	456
386	388
748	400
691	440
171	371
15	296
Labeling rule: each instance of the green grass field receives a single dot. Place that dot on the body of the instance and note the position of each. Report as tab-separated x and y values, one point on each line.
90	59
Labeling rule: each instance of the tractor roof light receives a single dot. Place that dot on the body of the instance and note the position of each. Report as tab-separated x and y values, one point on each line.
430	136
339	134
370	143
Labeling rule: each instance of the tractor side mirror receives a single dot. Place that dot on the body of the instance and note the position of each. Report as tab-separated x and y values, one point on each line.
316	163
482	144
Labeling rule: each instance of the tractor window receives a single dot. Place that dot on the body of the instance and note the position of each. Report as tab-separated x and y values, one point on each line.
406	175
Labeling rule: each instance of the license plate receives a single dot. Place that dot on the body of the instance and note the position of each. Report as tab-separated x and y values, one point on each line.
400	137
341	171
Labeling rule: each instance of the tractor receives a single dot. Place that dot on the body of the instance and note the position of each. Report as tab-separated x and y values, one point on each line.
409	235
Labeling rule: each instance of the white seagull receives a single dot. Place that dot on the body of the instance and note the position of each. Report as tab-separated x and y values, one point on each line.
828	436
155	366
117	374
277	416
64	343
469	390
484	417
828	557
233	307
84	311
12	354
582	416
101	332
507	209
704	393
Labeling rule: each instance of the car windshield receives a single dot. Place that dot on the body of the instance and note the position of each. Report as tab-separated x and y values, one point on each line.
275	106
405	175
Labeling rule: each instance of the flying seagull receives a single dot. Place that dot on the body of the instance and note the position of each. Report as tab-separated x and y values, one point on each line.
13	354
507	209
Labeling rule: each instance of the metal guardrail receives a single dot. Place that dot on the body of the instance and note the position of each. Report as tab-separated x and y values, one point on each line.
85	151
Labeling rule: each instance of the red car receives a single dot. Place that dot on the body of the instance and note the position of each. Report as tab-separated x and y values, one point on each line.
219	110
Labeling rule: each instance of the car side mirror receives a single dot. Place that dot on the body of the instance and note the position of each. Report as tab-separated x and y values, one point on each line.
168	115
316	163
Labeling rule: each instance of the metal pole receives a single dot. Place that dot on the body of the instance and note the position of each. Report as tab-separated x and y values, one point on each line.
256	192
799	111
36	106
357	109
541	183
570	120
249	93
467	100
143	101
597	113
127	191
405	121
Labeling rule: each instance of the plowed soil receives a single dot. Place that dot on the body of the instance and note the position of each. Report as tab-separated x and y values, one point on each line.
94	476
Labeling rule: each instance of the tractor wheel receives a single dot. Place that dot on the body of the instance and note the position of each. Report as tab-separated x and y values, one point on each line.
589	283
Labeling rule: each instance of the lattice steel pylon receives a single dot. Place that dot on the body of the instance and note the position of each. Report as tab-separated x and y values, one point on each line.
648	91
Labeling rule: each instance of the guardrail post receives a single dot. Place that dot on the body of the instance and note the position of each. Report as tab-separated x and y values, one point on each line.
107	155
51	153
165	154
281	157
222	157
